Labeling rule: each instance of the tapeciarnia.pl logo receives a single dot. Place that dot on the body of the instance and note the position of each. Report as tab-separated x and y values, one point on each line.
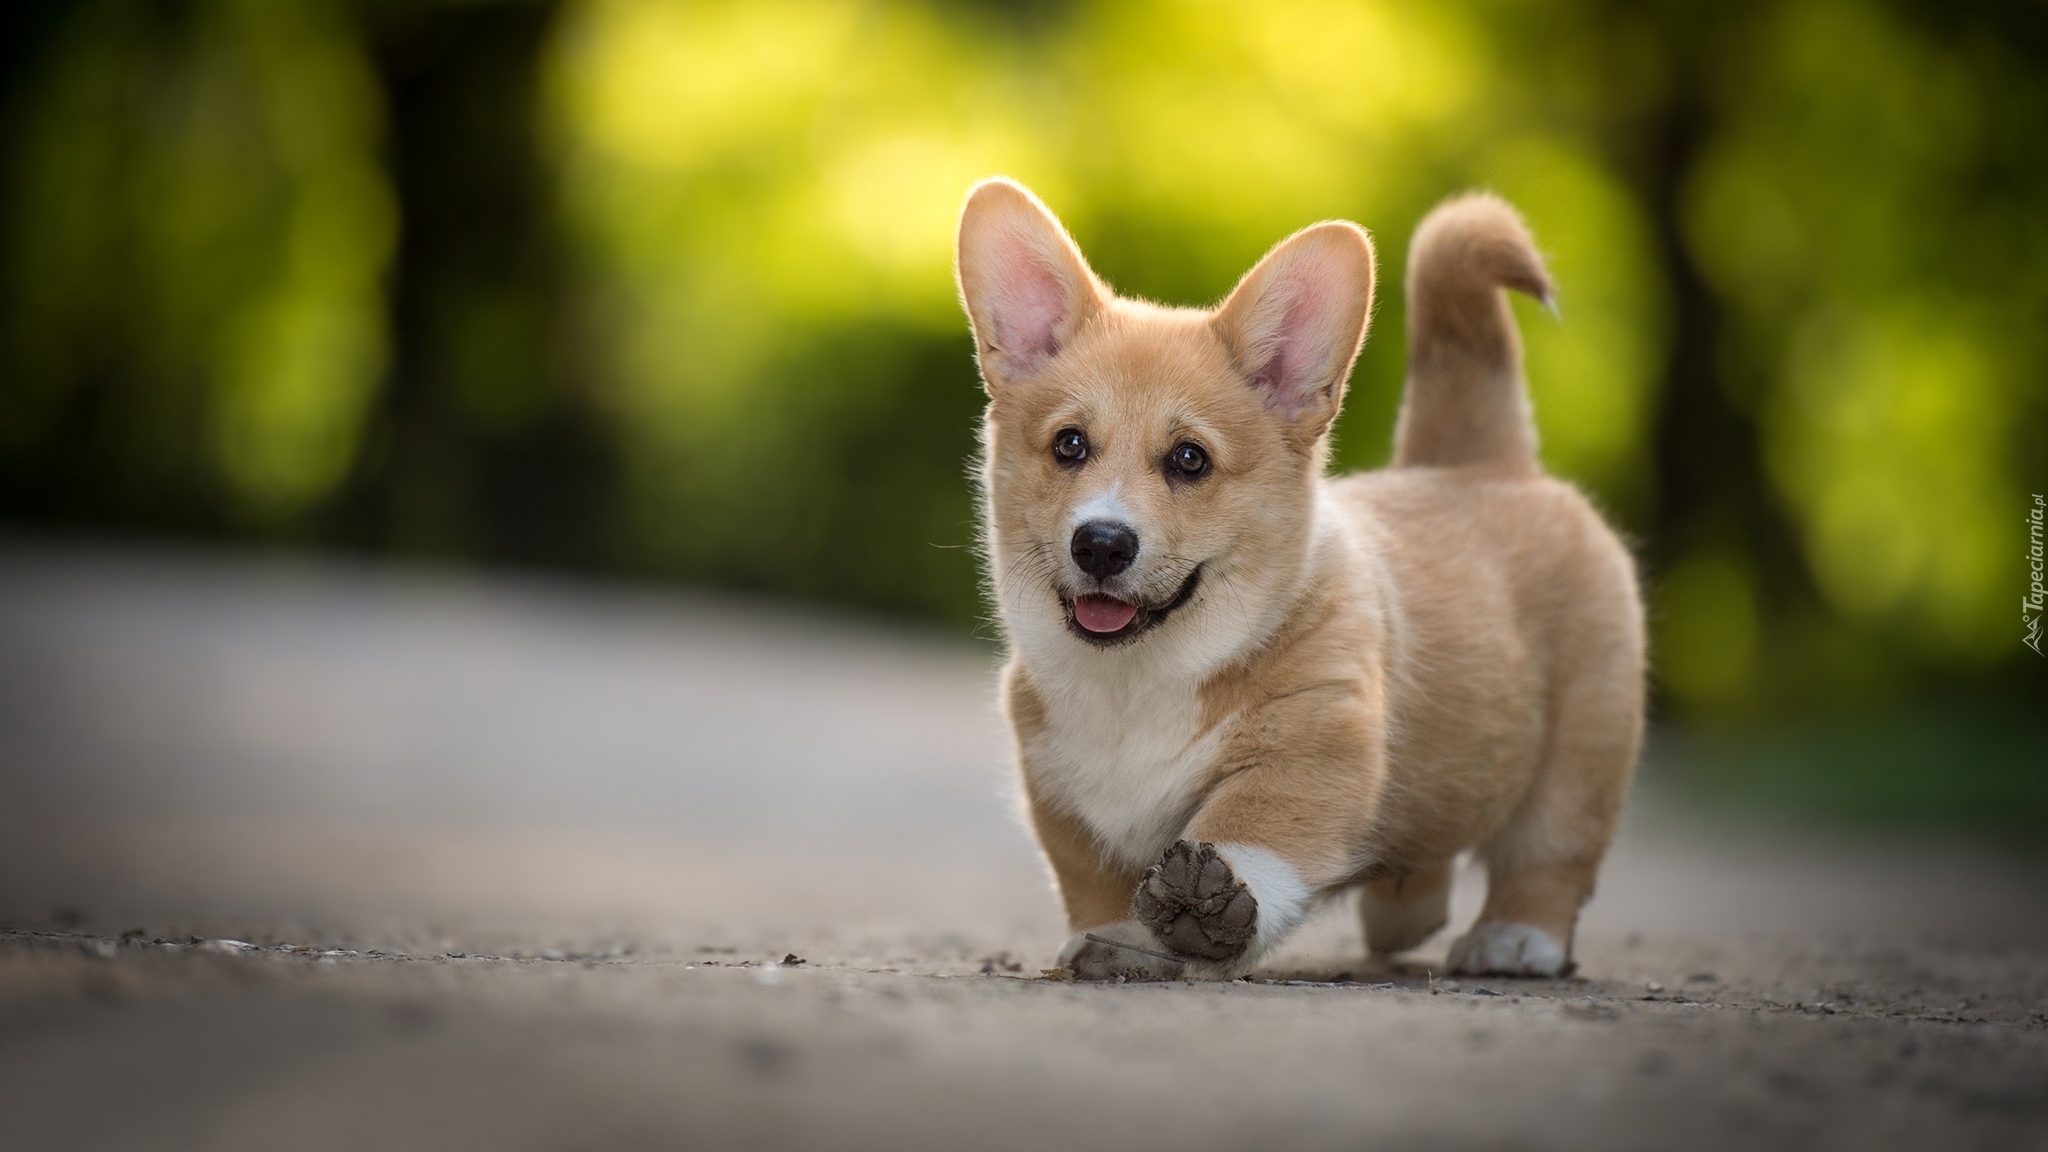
2031	603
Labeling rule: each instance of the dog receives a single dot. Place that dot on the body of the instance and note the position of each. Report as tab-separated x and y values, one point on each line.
1237	685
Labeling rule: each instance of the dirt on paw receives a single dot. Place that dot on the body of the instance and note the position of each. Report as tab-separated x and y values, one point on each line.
1196	905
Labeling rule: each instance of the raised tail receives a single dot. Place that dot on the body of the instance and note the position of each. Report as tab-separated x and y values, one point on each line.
1465	401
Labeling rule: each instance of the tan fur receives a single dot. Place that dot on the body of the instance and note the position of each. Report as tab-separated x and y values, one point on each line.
1375	672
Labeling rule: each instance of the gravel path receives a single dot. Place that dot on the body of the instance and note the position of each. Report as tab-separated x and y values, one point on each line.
309	855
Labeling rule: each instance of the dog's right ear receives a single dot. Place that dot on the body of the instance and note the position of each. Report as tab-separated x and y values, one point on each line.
1025	285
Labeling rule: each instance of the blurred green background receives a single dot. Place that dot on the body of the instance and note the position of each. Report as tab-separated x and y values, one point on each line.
662	289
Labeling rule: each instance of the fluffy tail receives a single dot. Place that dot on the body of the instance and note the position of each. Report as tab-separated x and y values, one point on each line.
1465	401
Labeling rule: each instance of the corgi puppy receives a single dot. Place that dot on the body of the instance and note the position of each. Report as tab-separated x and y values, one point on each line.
1238	685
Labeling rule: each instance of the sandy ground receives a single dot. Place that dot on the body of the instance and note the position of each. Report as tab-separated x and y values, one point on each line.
314	856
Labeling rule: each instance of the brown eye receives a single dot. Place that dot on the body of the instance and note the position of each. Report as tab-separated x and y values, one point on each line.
1188	461
1070	446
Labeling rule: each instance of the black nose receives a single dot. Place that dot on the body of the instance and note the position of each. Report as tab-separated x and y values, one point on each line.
1104	548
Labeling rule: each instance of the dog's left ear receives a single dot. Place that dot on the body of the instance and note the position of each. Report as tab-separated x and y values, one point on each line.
1296	321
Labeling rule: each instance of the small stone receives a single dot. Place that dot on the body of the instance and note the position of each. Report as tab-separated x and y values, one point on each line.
1653	986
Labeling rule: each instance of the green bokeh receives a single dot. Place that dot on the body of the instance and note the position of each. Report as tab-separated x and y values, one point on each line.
663	288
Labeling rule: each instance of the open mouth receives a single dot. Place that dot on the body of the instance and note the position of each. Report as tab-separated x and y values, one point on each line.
1106	620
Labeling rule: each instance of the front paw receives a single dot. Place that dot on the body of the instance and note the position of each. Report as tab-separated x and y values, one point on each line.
1124	950
1196	905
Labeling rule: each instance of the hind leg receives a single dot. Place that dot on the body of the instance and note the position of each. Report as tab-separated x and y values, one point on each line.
1401	912
1541	865
1527	930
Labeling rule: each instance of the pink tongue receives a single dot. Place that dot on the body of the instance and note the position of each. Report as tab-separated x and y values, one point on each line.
1103	613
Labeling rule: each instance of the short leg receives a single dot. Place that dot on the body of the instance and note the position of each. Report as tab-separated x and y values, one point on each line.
1526	927
1400	912
1540	867
1292	821
1263	845
1096	894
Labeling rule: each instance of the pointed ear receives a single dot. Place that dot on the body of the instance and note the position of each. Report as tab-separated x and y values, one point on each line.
1295	322
1026	288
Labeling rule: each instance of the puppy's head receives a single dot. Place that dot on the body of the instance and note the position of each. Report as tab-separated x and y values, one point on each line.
1151	472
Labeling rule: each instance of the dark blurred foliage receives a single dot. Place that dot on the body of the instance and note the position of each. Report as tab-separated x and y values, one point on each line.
481	440
662	288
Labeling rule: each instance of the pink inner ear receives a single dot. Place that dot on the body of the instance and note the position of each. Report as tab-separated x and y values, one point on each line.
1028	296
1031	306
1298	338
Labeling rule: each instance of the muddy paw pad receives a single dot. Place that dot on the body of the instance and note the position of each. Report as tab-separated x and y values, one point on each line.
1196	904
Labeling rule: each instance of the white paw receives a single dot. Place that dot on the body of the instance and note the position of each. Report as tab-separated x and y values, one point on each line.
1125	950
1500	949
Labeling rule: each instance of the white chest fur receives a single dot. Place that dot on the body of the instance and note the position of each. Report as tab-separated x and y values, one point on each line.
1125	754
